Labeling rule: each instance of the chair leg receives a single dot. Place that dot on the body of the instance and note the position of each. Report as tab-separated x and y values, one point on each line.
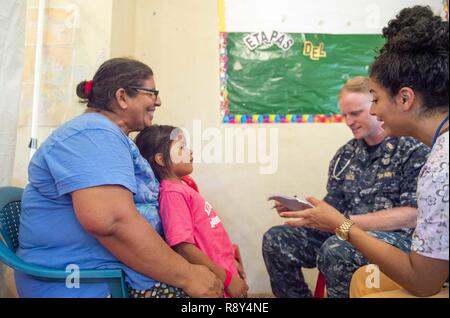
319	292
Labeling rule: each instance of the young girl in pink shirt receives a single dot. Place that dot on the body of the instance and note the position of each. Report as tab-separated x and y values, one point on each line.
191	225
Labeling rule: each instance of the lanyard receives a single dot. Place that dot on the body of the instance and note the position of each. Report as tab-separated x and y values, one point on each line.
436	135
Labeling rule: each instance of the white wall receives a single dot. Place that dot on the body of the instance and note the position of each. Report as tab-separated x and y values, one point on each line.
319	16
122	27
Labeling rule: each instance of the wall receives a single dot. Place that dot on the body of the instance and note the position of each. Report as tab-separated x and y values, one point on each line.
122	28
349	17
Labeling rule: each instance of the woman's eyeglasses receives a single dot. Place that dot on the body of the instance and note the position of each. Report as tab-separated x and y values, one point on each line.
152	92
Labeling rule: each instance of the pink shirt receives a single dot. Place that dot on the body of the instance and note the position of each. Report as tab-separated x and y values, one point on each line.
187	217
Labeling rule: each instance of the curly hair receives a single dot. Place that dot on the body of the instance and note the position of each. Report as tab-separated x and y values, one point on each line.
415	55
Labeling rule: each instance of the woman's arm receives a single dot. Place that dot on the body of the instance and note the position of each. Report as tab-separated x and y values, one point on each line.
108	213
194	255
387	220
420	275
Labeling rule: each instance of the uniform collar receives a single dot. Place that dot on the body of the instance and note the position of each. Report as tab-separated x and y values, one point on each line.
386	149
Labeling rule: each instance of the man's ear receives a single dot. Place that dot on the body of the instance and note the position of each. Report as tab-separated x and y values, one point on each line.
406	98
159	159
121	98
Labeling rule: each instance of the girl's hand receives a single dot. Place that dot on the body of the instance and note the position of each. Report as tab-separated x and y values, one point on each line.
238	288
323	216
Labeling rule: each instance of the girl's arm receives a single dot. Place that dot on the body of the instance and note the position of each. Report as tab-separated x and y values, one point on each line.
194	255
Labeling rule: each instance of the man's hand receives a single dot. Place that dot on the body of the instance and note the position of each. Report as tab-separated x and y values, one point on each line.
238	288
203	283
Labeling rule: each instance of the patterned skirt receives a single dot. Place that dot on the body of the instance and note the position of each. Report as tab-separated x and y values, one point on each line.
160	290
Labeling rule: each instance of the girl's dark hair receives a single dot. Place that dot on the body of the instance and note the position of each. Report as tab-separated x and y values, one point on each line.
113	74
416	56
156	139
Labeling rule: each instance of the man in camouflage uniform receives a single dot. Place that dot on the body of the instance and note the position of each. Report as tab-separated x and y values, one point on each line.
372	179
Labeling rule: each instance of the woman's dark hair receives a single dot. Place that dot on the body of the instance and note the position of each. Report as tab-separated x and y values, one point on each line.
416	56
156	139
113	74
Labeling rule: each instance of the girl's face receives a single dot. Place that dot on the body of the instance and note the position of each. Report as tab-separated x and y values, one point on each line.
388	110
181	157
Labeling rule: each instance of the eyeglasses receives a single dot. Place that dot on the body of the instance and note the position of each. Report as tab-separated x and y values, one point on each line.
152	92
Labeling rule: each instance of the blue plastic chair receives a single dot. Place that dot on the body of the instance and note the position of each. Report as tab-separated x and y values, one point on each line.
10	208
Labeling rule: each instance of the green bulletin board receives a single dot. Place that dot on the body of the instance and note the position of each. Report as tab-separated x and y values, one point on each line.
275	77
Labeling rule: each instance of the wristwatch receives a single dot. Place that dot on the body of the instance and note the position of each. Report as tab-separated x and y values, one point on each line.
343	230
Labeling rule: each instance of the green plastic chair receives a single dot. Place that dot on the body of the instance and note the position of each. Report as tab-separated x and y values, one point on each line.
10	208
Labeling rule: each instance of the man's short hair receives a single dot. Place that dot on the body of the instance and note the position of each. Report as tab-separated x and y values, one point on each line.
358	84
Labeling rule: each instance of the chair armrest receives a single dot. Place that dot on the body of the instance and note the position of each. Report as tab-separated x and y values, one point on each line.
113	277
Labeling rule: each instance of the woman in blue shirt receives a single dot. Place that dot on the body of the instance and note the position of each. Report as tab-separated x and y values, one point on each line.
79	206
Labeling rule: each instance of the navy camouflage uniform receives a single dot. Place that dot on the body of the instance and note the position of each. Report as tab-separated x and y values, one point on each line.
360	181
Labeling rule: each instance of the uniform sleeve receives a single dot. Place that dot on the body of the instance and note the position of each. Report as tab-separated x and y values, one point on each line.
335	196
91	158
176	218
417	157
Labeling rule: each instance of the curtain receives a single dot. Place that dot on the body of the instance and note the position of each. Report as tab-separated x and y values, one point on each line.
12	47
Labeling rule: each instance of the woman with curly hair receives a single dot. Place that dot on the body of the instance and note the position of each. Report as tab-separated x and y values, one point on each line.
409	85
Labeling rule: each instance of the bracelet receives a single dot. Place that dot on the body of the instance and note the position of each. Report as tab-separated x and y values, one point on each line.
228	278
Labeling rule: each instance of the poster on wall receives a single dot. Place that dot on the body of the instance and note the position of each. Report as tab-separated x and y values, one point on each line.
287	77
276	72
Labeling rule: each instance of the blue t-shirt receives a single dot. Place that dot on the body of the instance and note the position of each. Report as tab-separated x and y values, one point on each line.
87	151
